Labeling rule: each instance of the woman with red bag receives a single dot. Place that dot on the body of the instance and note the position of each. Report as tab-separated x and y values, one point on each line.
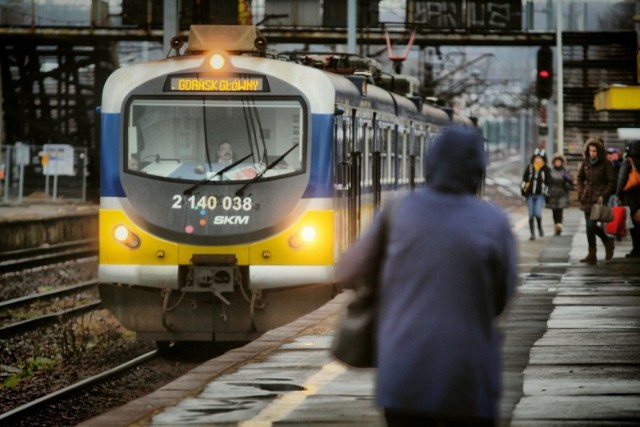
630	195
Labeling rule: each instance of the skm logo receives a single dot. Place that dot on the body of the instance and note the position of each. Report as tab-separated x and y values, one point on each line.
231	220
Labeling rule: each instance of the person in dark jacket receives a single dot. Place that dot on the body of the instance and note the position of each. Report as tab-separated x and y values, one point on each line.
534	188
596	182
631	196
448	271
560	183
615	157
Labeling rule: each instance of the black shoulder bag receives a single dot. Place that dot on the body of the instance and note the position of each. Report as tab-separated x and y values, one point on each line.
354	342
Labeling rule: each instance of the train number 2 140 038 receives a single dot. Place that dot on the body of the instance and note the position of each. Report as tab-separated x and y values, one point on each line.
211	203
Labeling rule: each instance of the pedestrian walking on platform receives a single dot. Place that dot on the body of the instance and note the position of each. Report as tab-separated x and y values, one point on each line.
560	183
596	182
448	270
615	157
534	188
631	196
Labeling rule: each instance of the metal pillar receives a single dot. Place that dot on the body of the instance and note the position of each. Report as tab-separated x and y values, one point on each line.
171	16
559	83
352	19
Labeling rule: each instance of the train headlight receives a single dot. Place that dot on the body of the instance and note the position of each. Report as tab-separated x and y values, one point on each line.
308	234
125	236
302	237
217	61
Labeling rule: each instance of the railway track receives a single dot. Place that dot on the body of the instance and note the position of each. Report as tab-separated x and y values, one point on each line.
23	259
86	383
22	326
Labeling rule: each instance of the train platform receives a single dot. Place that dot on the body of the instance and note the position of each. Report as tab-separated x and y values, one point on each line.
35	223
571	355
41	208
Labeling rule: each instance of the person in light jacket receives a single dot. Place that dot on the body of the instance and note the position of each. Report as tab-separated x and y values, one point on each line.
448	270
534	188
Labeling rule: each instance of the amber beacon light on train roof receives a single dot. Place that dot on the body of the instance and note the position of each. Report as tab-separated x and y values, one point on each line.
216	43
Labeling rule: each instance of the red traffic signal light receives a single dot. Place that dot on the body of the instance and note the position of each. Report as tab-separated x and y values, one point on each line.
544	79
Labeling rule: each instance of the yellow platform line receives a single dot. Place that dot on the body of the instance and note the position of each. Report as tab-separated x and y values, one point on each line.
284	405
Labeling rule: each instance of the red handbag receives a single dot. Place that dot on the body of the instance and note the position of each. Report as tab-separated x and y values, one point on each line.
617	226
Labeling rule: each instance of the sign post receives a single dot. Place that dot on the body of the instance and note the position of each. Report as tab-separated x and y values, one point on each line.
22	154
57	159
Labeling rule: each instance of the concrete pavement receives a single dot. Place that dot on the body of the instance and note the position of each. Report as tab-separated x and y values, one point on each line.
571	355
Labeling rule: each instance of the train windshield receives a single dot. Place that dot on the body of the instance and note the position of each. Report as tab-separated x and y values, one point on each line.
215	139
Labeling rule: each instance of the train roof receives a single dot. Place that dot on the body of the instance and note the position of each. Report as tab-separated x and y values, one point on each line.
325	78
322	89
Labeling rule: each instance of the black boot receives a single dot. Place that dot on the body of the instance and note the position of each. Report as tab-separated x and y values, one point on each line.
532	228
539	220
591	257
609	247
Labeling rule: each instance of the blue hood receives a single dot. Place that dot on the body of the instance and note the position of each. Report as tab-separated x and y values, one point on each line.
456	161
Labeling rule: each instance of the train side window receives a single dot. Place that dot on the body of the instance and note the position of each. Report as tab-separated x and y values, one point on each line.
392	154
348	135
367	142
384	157
358	138
388	163
339	152
420	152
404	173
425	146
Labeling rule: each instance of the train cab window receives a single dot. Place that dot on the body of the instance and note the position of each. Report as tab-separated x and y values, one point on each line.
194	139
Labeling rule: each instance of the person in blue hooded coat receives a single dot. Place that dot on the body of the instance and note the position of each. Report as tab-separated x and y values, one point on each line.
448	270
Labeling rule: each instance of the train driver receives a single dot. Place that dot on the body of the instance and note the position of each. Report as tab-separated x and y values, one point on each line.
225	153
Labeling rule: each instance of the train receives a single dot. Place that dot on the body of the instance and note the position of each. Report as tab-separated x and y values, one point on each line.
200	247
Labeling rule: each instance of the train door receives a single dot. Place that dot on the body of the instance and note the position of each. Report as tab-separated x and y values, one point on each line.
415	144
374	141
382	160
403	176
364	140
413	156
343	182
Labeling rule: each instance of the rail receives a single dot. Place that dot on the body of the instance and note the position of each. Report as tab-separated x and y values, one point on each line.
25	409
35	257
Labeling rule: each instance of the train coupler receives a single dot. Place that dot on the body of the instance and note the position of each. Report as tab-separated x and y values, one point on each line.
215	273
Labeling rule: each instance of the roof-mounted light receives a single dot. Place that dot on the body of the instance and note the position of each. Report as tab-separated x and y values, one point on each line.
217	61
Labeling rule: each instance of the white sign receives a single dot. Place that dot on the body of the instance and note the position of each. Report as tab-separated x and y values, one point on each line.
21	154
629	133
57	159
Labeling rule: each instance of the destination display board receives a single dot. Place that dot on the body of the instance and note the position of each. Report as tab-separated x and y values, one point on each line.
206	83
471	15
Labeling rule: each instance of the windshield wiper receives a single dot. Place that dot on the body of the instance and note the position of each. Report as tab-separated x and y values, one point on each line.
240	192
189	190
